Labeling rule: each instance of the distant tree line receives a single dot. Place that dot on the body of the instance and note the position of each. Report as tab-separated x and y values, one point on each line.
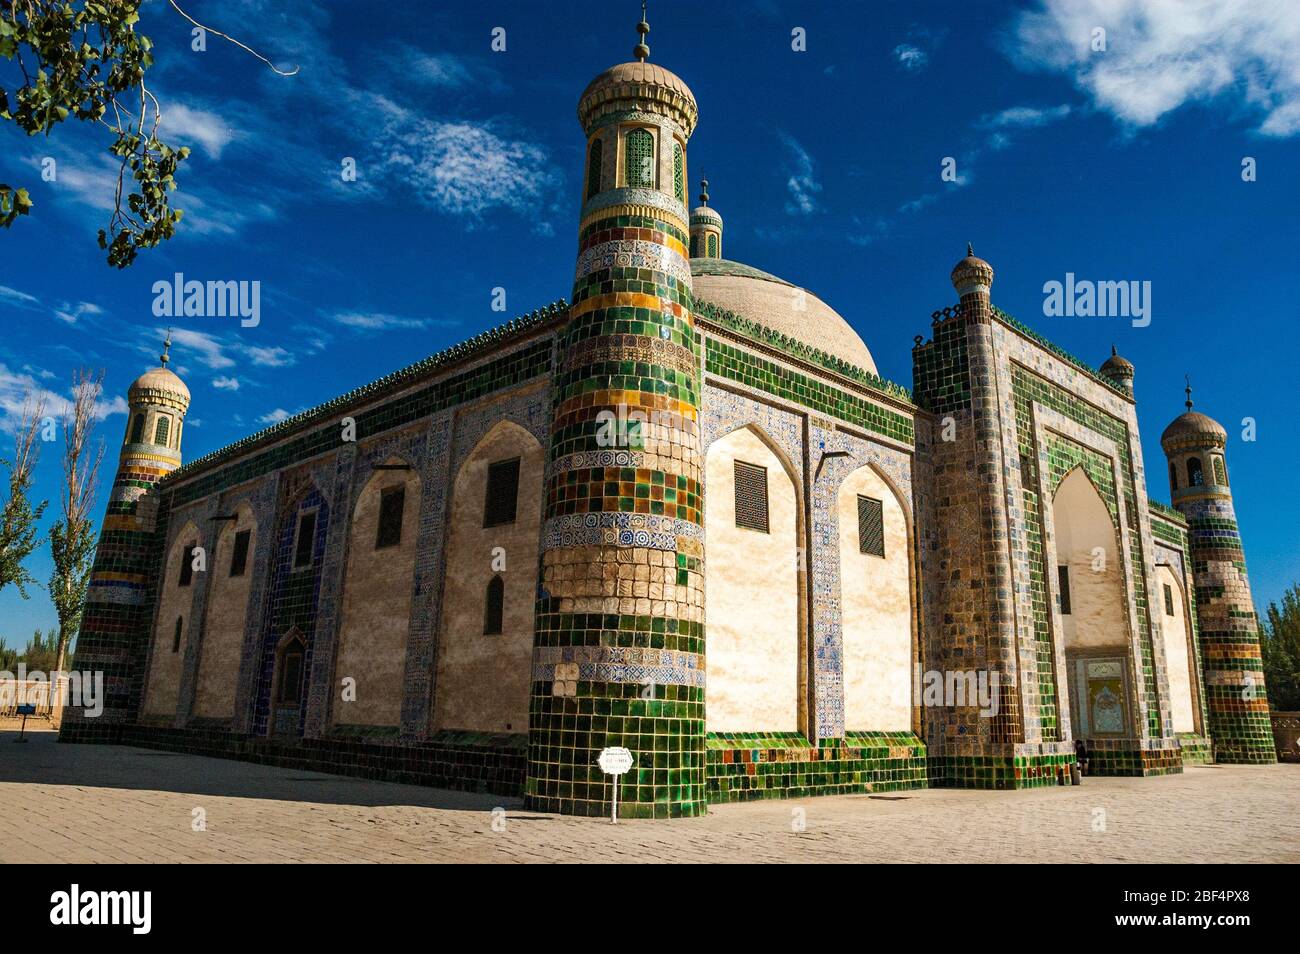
1280	645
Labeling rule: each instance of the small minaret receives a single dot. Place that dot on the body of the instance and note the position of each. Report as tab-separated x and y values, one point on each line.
1118	371
706	227
972	278
158	400
1229	629
119	595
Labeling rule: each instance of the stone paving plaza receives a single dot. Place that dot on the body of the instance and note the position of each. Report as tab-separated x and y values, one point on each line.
82	803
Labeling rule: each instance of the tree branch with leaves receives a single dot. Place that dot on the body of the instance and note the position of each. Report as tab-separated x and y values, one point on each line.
86	61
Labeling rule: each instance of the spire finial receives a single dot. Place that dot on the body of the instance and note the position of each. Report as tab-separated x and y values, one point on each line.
1188	389
167	343
970	250
704	192
642	51
1113	352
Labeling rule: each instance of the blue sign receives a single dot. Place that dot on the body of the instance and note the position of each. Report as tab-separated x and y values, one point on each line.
28	708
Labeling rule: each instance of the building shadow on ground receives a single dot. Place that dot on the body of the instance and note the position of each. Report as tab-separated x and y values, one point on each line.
43	760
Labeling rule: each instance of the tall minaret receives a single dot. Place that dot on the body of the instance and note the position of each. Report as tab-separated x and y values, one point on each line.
1229	629
619	645
706	227
120	591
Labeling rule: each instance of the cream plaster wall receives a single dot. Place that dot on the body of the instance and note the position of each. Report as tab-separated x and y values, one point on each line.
483	681
175	600
227	614
1178	663
376	616
1099	613
751	598
876	608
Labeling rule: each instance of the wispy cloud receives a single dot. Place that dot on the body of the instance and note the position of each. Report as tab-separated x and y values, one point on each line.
17	386
910	58
1161	55
190	126
226	383
377	321
73	313
275	417
1023	117
464	168
801	182
218	353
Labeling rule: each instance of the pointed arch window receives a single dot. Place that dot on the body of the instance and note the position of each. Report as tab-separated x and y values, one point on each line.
639	156
594	157
494	607
1195	477
161	431
1173	476
137	429
679	173
1220	472
713	245
288	689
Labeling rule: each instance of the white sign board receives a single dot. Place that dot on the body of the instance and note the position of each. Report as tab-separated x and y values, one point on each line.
615	760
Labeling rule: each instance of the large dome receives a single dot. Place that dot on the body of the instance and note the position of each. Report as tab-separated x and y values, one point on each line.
779	305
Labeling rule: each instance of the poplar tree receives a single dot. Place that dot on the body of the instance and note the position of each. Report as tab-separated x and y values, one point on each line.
72	538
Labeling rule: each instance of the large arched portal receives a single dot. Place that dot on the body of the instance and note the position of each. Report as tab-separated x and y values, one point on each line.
1180	665
1095	628
751	598
876	605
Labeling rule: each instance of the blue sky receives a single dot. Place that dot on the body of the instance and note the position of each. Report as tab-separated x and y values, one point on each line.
1123	164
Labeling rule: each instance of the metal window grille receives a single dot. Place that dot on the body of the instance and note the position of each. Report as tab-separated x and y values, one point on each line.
751	496
871	526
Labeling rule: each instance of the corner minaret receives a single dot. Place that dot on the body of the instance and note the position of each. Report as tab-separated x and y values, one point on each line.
706	227
1229	629
972	278
1118	370
619	646
119	594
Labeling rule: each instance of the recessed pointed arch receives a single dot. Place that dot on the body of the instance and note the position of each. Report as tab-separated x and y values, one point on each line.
756	646
378	587
232	575
483	678
877	602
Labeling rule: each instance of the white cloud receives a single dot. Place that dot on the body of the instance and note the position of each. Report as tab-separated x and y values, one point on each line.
71	313
464	168
18	299
225	384
377	321
272	356
1024	117
911	58
217	353
1163	54
801	183
274	417
16	386
185	126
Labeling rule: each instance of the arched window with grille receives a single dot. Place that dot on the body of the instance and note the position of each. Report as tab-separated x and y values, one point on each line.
713	245
161	430
639	159
679	172
494	607
137	429
1195	478
595	155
